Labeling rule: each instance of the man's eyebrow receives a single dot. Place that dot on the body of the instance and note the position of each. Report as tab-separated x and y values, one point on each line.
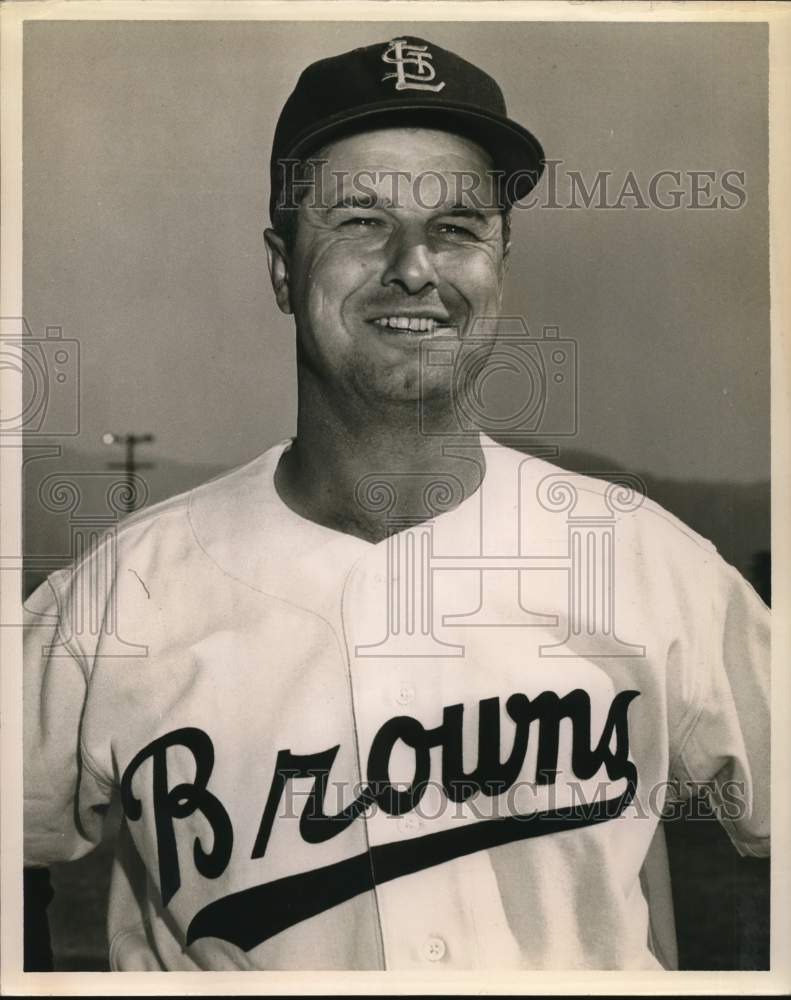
360	201
466	212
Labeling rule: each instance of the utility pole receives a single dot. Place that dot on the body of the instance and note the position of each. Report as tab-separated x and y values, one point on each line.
129	465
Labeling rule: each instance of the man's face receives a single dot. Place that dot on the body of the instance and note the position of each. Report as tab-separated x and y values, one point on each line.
395	250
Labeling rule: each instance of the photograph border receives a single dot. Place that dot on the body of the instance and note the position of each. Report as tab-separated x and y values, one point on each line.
13	16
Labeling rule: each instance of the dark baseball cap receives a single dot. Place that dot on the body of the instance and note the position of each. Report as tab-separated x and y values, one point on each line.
406	81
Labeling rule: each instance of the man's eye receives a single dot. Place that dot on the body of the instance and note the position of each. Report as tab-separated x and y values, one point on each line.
361	221
451	229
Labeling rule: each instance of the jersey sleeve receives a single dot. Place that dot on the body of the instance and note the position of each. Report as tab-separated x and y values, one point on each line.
725	743
64	798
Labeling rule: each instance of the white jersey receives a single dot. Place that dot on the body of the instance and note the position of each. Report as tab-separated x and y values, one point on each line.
449	748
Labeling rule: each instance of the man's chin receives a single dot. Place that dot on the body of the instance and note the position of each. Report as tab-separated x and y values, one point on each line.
407	387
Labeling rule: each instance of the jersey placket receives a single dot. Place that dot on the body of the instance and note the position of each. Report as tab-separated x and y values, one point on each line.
447	915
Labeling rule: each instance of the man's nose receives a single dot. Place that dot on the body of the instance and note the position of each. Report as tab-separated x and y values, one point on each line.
411	265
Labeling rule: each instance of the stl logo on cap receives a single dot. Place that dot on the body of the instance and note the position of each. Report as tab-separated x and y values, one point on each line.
401	53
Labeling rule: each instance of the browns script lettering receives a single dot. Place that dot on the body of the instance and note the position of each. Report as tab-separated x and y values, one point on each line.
248	917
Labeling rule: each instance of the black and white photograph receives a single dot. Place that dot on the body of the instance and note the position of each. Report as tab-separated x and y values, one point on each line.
389	403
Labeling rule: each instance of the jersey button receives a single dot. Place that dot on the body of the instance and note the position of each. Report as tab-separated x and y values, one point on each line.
434	949
406	694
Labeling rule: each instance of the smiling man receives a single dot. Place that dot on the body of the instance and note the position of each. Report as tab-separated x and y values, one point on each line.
393	232
392	695
370	280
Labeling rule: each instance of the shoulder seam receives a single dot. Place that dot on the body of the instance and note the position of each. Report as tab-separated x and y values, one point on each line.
69	641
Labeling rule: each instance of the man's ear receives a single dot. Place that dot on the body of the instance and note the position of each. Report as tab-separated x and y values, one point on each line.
277	259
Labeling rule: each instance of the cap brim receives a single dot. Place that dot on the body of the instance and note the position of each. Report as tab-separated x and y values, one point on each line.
515	151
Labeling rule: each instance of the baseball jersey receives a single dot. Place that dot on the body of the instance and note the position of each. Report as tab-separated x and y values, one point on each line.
450	748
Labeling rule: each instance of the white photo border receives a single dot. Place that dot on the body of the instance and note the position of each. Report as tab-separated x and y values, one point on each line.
13	17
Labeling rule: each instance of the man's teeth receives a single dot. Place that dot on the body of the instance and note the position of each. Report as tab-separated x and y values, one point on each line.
414	324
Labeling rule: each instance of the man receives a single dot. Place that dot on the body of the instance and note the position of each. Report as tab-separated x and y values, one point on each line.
392	695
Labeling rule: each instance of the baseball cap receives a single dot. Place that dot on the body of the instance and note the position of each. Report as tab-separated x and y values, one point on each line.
406	81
